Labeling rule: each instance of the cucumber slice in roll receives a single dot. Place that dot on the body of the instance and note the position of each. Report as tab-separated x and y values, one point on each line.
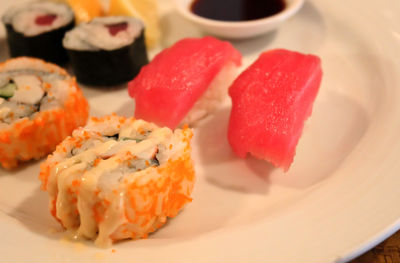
7	91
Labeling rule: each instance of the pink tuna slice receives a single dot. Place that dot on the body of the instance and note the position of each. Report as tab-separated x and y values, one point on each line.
45	20
116	28
270	102
167	88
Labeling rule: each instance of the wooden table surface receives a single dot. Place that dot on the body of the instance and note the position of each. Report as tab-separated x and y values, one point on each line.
386	252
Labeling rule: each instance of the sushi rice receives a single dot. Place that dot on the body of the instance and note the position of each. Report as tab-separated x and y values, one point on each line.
24	17
212	98
96	35
40	105
119	178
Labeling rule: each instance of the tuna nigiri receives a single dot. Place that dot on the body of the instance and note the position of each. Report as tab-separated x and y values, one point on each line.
271	100
185	82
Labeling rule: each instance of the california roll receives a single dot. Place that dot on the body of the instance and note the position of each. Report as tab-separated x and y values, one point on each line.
119	178
40	105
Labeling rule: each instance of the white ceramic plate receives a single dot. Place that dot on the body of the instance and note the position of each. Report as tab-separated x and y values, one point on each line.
340	198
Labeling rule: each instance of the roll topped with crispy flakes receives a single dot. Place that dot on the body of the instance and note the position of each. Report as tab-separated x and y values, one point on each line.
40	105
119	178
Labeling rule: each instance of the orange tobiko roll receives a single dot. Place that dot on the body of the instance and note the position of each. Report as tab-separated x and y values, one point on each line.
119	178
40	105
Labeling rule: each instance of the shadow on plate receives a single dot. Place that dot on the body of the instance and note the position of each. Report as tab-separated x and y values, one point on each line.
22	167
34	214
224	168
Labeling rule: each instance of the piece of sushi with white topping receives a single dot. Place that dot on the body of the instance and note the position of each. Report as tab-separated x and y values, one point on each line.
119	178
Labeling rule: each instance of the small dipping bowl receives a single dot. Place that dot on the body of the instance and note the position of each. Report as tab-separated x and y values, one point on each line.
242	29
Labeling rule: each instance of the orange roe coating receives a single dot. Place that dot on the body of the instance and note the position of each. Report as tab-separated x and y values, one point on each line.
144	210
28	139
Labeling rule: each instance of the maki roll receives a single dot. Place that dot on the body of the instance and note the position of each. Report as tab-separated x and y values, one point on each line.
119	178
40	105
36	29
107	51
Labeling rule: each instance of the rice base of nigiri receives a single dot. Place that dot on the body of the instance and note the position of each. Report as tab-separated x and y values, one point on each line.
213	96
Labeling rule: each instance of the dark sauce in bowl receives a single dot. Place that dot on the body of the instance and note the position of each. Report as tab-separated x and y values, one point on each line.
237	10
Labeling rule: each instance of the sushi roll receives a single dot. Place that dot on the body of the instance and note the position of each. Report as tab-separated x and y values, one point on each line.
119	178
107	51
36	29
271	100
185	82
40	105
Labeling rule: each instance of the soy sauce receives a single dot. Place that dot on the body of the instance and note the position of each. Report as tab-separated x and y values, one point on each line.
237	10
